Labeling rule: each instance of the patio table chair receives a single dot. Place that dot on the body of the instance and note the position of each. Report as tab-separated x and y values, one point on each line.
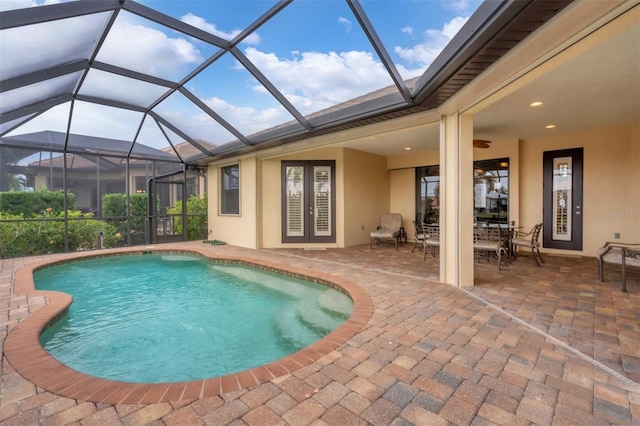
489	240
528	240
431	240
419	235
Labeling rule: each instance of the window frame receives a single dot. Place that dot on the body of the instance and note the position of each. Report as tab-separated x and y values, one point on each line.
222	199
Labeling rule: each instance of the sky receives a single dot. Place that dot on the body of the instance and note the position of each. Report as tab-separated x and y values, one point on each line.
313	51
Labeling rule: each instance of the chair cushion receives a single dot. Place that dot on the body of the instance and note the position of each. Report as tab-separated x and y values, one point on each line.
432	242
487	245
614	255
524	242
384	234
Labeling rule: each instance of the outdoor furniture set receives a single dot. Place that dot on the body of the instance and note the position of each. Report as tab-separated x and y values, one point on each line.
503	241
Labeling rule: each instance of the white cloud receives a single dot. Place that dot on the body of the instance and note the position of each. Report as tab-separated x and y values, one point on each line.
315	80
201	23
462	6
22	4
148	50
248	119
407	30
433	42
346	23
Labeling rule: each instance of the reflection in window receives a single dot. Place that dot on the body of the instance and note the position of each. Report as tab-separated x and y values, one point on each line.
490	189
428	194
230	190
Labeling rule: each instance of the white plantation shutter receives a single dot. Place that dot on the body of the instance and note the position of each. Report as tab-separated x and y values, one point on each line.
562	202
322	201
295	201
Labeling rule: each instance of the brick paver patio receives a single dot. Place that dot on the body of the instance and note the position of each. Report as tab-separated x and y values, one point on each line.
526	345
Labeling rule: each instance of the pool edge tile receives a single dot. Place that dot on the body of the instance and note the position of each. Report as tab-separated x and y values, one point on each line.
229	383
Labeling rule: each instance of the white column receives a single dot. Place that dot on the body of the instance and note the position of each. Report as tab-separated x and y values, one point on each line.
456	200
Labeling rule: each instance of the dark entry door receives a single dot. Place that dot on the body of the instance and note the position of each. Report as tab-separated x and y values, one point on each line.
308	202
562	199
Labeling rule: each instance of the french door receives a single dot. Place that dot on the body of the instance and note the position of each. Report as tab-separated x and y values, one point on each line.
308	202
562	199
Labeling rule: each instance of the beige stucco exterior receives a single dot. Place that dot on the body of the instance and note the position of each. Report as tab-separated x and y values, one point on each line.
369	185
611	195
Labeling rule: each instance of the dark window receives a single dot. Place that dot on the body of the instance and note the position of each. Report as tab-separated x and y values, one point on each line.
230	190
428	194
490	190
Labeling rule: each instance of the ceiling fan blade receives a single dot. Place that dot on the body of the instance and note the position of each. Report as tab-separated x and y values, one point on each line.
481	143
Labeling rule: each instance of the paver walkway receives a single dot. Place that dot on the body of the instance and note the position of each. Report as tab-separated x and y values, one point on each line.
526	345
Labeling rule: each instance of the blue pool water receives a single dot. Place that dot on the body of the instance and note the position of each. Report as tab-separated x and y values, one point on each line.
153	318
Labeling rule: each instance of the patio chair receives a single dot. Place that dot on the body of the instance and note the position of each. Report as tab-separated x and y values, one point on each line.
431	240
623	254
419	236
489	240
390	229
528	240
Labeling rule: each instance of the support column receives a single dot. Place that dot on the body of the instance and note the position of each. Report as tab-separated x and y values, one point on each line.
456	200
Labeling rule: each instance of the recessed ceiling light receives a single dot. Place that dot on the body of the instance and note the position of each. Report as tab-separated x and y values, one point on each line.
550	126
408	148
536	103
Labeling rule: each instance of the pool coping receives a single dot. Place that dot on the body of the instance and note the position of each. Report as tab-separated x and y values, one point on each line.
26	355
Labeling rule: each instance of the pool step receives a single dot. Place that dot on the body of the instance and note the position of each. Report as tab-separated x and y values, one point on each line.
273	282
291	330
312	316
335	304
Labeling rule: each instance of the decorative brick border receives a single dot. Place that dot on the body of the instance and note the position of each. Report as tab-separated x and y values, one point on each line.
23	350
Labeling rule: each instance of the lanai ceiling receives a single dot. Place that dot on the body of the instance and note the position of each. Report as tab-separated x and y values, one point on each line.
89	74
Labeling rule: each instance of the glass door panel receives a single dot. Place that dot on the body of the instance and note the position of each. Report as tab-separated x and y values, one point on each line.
561	226
322	201
562	199
294	210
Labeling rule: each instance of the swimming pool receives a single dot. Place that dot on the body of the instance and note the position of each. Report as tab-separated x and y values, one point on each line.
175	317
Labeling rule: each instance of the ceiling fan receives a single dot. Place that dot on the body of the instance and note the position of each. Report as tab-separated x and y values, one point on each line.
481	143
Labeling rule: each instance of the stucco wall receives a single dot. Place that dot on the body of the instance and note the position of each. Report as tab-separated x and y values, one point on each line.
611	194
239	229
366	194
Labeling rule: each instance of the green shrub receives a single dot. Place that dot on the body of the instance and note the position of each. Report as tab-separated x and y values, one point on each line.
114	209
33	204
33	237
83	232
196	217
114	205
